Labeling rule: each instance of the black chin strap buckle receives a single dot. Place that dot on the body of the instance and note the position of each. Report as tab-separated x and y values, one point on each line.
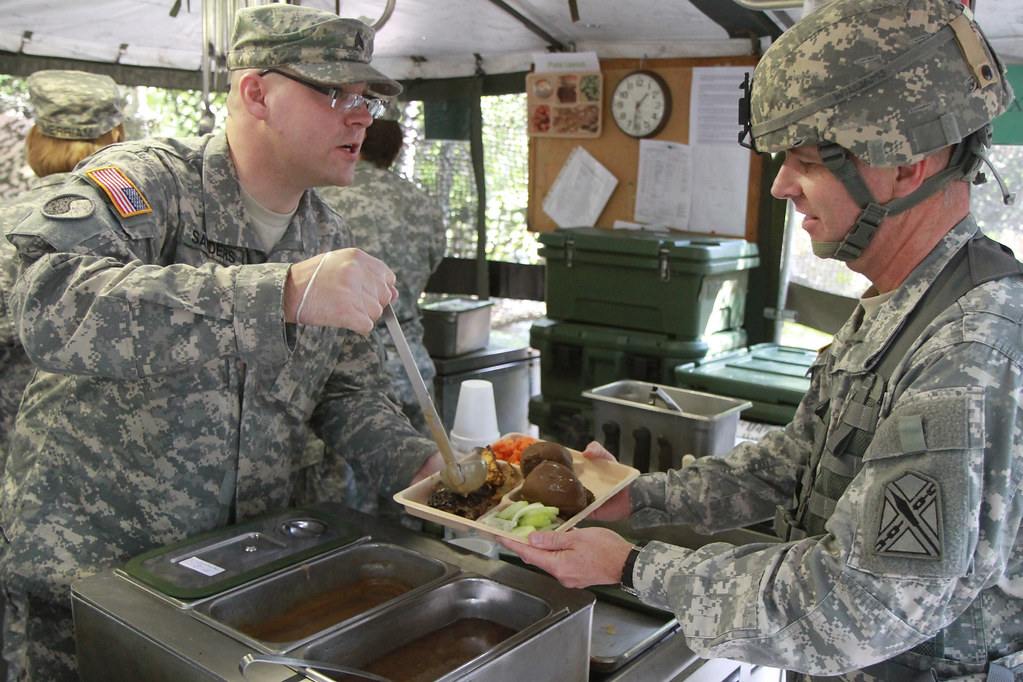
861	233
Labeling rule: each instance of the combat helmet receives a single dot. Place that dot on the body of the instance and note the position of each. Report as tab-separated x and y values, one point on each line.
890	81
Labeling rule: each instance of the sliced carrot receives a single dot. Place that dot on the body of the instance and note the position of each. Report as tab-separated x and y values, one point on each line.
510	449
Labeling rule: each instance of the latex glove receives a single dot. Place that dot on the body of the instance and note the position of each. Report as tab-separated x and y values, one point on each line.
350	290
577	558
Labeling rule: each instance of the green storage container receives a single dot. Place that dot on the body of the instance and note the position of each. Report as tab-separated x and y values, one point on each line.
576	357
679	284
774	378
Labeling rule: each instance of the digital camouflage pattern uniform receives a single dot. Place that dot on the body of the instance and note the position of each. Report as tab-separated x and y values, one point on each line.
66	105
15	367
903	560
400	224
840	601
172	398
175	398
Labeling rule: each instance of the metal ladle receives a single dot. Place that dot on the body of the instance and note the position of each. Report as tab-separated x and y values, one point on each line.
462	476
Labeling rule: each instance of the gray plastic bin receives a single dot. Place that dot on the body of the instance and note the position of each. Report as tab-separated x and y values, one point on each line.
637	424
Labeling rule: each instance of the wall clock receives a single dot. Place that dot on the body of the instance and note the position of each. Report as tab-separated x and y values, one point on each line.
641	104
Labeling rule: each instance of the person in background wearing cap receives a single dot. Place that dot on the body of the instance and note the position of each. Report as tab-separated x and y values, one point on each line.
195	309
896	488
75	114
393	219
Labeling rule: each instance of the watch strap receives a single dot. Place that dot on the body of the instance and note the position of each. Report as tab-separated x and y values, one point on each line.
630	564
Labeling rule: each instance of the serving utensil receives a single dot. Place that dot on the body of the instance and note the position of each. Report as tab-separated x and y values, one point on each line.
658	393
249	659
462	476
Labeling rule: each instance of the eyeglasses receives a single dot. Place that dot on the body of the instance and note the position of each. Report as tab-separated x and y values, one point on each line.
339	99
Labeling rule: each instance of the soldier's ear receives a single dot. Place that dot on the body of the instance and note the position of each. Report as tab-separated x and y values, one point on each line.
252	90
910	176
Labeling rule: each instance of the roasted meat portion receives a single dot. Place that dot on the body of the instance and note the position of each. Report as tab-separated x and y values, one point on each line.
501	478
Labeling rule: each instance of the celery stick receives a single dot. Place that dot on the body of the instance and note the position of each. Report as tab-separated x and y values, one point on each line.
512	509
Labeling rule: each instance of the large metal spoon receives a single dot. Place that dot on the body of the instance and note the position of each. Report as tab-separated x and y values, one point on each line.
462	476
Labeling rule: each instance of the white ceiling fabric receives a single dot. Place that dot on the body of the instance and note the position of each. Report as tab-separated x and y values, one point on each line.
422	38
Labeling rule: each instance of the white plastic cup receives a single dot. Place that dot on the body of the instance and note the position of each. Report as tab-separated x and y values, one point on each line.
475	416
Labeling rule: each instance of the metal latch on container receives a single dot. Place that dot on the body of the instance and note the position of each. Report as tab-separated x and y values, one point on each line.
569	251
662	254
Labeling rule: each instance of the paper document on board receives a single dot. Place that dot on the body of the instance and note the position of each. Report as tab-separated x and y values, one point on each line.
720	187
662	184
580	192
714	105
720	176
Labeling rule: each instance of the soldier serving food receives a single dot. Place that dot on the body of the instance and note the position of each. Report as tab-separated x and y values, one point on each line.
195	310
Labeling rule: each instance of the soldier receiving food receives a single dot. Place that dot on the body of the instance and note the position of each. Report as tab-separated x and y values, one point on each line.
897	484
195	309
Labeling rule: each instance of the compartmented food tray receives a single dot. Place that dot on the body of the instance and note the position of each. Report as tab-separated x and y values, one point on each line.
603	478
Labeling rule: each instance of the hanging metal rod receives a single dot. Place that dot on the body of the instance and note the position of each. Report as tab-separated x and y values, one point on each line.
551	40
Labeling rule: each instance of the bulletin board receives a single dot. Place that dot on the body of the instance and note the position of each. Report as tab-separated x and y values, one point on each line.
619	153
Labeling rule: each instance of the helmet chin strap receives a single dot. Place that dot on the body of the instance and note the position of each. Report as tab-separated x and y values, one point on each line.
965	162
840	163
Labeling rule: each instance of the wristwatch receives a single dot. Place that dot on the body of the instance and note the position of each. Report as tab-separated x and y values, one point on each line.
630	563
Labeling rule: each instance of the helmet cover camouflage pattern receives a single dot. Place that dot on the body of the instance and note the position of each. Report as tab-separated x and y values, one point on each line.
317	45
75	105
892	81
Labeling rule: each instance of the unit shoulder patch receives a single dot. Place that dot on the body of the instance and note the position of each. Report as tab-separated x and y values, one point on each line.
68	207
910	522
123	193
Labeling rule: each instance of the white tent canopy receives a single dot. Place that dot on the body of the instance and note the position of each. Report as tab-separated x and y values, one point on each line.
427	38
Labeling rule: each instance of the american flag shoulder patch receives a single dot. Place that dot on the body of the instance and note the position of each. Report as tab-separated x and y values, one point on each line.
126	197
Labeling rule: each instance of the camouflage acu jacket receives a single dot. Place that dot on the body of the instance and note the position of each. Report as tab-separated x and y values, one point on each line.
15	367
945	466
173	391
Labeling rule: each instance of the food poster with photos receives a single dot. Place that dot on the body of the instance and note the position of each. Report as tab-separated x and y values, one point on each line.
564	104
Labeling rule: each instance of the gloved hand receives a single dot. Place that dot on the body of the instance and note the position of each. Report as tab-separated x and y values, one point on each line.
345	288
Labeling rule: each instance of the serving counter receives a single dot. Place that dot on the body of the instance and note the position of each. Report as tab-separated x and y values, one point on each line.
129	628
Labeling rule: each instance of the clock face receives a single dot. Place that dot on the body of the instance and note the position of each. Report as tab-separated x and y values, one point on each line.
641	104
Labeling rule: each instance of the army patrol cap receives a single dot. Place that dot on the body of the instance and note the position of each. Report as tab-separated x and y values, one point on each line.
320	46
75	105
892	81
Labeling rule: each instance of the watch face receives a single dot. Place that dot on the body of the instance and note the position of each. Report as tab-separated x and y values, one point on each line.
641	104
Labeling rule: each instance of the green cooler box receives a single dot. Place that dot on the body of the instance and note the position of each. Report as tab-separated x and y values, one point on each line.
774	378
576	357
679	284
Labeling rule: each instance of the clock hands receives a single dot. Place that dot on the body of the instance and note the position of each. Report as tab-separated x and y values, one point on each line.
635	114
